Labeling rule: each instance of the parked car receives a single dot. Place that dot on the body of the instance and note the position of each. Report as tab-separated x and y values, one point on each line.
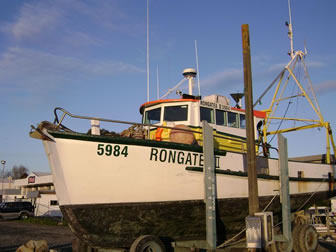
16	210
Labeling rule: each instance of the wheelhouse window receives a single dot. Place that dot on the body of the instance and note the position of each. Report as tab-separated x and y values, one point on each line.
242	121
207	114
53	203
175	113
221	117
153	116
232	119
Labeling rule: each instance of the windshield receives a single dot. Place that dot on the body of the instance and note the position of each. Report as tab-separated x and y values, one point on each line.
232	119
176	113
242	121
152	116
207	114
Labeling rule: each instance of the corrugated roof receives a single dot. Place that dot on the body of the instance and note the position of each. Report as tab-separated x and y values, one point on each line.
5	180
12	191
39	174
33	194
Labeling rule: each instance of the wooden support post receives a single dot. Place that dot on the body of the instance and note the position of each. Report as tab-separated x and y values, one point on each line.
251	153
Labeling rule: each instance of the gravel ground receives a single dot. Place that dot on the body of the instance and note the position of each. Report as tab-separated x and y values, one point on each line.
14	233
326	246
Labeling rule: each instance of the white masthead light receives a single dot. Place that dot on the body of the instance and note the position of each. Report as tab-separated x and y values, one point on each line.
190	74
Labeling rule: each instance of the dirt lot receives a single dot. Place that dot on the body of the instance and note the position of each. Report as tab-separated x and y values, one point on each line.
15	233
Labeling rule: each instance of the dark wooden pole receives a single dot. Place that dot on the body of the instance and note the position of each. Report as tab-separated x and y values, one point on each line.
251	153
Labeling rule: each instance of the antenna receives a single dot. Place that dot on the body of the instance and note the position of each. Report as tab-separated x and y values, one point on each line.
237	98
290	31
147	51
174	88
188	74
157	82
305	48
198	79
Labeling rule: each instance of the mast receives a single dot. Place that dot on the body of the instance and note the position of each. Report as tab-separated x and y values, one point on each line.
290	31
147	51
157	82
282	82
198	78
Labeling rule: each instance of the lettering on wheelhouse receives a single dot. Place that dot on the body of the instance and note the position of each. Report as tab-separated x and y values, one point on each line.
179	157
215	105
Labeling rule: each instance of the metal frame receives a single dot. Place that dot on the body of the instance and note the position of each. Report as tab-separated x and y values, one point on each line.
278	97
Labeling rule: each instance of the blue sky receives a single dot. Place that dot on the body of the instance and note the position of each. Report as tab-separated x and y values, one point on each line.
89	57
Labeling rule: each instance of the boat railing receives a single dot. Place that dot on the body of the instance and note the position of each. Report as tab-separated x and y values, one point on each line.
58	122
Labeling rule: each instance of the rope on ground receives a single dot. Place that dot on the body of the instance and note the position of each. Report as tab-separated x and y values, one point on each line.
311	195
270	203
231	240
302	206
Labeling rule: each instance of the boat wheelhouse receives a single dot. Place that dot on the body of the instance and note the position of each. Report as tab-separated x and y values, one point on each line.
228	122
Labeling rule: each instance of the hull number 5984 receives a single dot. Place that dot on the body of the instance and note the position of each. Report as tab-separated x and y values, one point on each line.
109	150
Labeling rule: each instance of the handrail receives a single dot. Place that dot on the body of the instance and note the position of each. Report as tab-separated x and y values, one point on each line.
88	118
65	113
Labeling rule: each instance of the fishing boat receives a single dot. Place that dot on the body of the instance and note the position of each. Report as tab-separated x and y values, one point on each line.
148	180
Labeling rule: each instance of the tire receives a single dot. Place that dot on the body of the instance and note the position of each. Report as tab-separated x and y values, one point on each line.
24	216
295	237
79	245
282	246
147	243
308	238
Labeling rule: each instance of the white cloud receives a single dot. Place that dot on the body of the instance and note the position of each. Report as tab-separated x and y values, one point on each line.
62	21
97	11
313	64
52	45
20	65
275	67
234	76
309	64
228	77
325	87
34	20
261	59
78	38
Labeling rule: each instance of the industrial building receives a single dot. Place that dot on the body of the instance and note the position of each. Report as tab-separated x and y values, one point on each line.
37	188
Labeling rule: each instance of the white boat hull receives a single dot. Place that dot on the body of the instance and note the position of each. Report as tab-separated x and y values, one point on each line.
140	186
152	174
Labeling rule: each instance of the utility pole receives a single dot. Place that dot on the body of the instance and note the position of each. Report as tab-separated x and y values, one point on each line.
251	153
3	162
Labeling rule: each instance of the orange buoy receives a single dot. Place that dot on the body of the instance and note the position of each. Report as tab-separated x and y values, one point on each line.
158	134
